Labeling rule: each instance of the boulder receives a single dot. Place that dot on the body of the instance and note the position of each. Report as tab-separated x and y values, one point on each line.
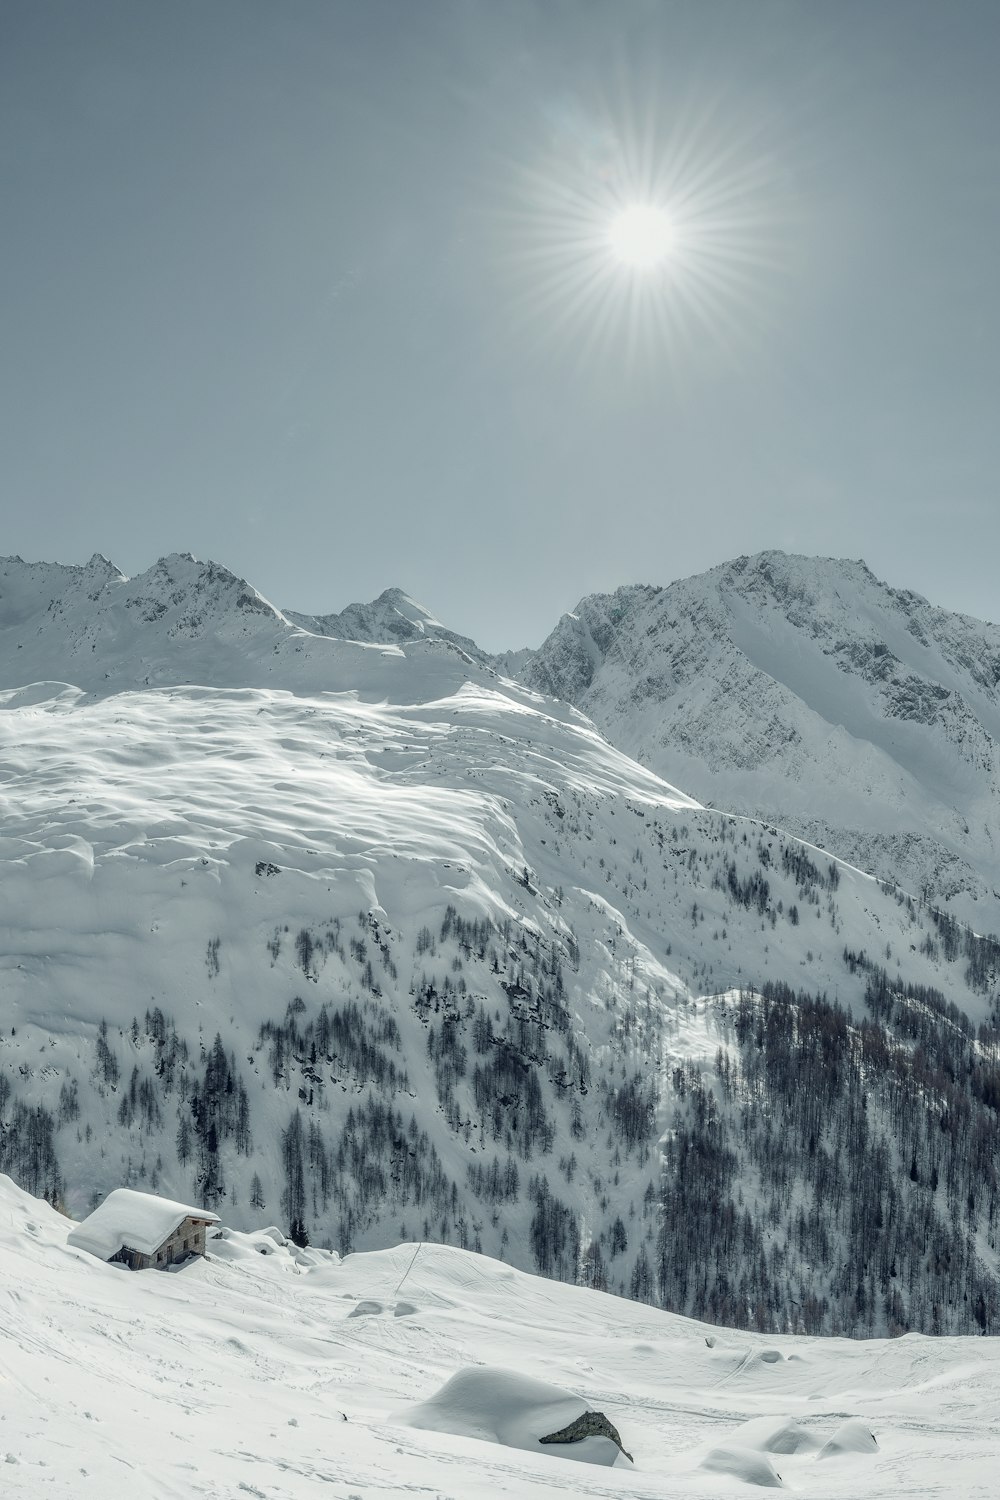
589	1424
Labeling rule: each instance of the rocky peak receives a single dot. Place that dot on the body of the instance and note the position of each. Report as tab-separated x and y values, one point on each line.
393	618
806	691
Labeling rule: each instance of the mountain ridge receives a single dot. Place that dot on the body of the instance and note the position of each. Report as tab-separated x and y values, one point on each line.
800	690
186	621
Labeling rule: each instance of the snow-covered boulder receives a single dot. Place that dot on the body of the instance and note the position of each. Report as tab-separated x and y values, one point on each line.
502	1406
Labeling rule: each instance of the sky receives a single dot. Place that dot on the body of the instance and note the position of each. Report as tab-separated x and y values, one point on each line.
328	292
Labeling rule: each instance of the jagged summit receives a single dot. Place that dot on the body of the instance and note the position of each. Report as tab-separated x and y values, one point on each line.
185	620
807	691
393	617
101	565
182	619
177	579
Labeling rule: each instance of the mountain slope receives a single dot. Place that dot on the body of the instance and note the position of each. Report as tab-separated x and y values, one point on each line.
399	949
804	691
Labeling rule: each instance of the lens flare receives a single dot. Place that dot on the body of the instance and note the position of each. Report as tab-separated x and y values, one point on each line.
657	230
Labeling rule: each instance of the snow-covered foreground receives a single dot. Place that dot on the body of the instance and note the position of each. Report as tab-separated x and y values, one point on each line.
290	1373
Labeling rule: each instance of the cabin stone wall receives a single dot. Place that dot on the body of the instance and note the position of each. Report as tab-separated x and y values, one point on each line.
187	1239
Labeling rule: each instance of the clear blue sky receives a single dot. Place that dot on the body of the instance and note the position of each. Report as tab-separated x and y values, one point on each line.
301	286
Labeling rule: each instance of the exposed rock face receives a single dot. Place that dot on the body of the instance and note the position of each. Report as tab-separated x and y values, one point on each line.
806	692
589	1424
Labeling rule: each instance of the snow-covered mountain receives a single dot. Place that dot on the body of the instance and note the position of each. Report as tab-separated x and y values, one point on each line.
393	617
804	691
267	1370
182	621
371	940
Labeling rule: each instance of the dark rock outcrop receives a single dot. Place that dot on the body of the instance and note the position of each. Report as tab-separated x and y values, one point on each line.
588	1424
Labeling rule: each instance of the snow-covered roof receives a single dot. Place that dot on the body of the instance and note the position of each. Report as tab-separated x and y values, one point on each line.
141	1221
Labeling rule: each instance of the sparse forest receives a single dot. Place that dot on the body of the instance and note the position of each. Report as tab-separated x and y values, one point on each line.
664	1052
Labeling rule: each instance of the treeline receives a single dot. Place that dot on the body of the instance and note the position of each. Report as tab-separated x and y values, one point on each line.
344	1042
837	1177
981	953
495	1072
27	1145
375	1163
747	883
509	1074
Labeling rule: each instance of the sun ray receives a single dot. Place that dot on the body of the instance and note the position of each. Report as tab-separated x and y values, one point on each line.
645	231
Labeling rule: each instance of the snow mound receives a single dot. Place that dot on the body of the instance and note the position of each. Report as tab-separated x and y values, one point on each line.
744	1464
500	1406
850	1437
234	1246
777	1435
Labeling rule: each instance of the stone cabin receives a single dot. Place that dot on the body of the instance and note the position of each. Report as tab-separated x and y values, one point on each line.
142	1231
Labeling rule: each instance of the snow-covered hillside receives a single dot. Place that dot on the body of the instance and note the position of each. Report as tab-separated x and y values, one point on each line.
269	1371
373	942
804	691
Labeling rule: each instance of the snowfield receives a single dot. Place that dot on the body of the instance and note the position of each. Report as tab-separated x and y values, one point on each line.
279	1373
370	942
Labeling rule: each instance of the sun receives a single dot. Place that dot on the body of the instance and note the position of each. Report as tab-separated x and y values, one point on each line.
642	236
648	223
